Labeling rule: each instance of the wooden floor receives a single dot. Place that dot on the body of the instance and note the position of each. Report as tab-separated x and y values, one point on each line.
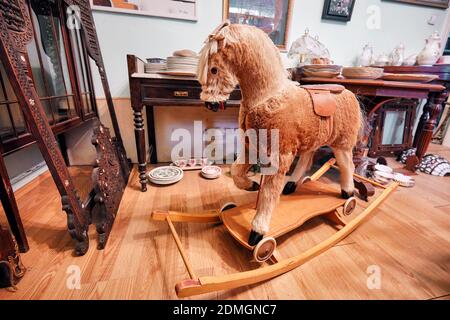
408	240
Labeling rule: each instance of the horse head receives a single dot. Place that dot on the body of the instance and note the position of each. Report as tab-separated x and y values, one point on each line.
215	71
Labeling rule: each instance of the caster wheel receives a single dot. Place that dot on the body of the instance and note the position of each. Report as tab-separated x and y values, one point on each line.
349	206
264	249
306	180
228	206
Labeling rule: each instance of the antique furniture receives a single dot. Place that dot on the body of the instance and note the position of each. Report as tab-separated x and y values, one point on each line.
148	90
274	17
317	199
443	71
390	140
382	92
11	267
63	31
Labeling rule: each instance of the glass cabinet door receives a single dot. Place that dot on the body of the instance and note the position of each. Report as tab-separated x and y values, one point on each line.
12	123
59	66
49	63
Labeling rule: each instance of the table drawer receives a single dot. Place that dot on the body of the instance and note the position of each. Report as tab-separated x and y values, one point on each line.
171	92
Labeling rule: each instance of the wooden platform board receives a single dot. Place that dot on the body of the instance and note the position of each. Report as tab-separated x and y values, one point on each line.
311	199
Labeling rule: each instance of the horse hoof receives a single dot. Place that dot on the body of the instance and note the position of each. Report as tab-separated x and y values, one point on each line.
254	187
345	195
289	188
254	238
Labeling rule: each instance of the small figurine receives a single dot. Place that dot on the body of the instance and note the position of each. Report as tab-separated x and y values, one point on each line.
365	59
398	55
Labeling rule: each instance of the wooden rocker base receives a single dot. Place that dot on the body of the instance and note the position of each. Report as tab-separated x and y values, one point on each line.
317	199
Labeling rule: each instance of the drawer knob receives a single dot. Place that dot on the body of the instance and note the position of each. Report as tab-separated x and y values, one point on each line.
181	93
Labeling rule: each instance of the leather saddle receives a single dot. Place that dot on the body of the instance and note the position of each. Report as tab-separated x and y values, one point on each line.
323	98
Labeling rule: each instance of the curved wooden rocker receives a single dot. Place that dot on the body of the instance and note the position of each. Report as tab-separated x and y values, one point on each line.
317	199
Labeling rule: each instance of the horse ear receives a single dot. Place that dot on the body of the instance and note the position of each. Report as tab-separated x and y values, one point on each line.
216	34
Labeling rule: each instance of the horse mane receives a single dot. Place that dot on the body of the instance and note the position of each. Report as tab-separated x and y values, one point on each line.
211	46
226	34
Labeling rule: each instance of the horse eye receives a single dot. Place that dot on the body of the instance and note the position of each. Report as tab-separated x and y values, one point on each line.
214	70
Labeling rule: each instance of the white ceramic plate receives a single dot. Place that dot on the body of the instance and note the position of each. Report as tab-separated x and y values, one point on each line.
404	181
165	175
383	168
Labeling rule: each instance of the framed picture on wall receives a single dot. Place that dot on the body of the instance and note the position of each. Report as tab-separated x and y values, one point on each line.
271	16
175	9
444	4
339	10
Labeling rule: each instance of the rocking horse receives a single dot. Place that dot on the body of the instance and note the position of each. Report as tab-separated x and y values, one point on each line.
306	118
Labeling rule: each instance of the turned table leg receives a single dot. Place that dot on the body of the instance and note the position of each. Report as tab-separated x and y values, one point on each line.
427	125
139	133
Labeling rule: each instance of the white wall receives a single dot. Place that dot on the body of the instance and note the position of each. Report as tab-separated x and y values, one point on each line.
146	36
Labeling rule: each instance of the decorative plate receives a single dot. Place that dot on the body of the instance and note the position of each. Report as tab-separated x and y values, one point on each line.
383	168
165	175
404	181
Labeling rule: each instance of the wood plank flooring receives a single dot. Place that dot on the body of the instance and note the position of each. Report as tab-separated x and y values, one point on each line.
408	241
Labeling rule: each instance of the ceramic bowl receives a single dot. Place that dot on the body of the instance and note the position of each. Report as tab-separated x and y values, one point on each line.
211	172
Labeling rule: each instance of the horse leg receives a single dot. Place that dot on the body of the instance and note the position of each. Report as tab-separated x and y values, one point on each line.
268	199
347	168
241	180
303	165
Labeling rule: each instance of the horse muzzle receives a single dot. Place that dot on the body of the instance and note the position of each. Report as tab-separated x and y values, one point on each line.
215	106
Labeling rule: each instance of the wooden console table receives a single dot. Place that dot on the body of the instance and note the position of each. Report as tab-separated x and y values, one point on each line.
149	90
436	94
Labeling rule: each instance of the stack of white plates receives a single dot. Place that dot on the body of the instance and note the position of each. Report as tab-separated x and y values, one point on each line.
165	175
177	65
155	65
211	172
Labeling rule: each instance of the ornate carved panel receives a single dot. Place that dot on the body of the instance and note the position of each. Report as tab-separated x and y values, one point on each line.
109	183
11	267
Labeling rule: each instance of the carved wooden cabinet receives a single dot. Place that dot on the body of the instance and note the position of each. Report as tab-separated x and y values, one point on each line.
58	64
46	89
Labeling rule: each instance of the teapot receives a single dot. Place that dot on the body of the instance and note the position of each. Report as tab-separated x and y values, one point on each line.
431	52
